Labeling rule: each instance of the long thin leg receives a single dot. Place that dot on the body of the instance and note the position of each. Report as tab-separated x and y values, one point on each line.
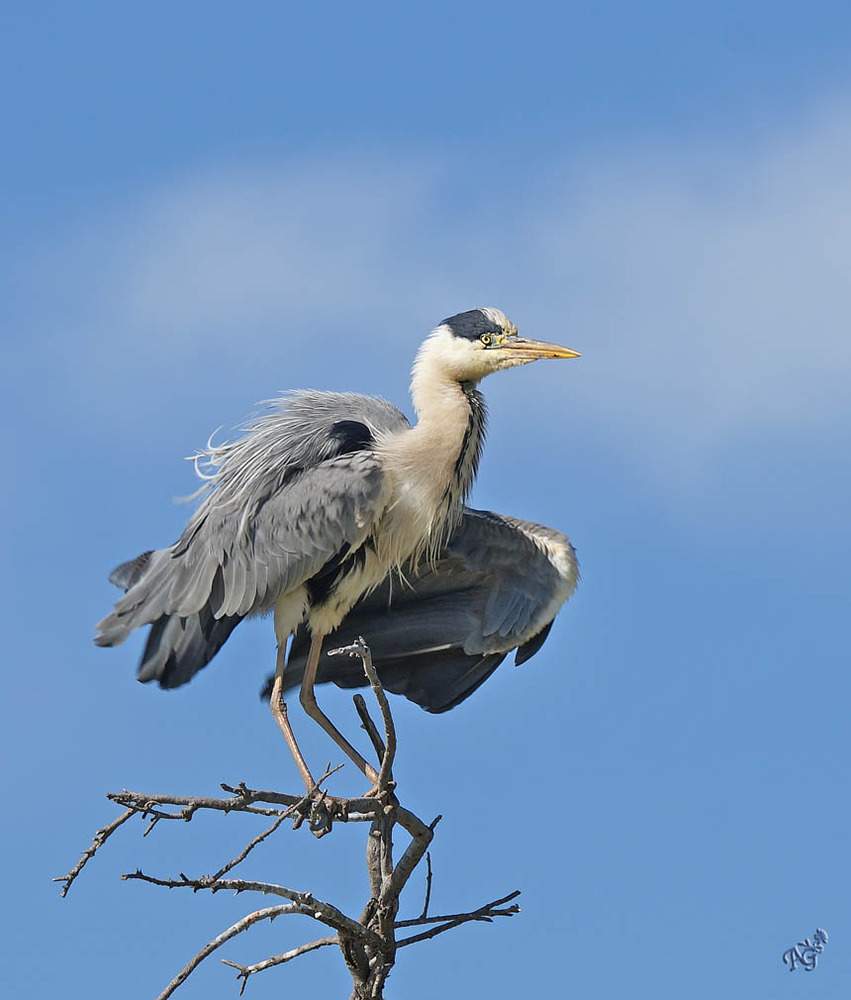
308	701
279	711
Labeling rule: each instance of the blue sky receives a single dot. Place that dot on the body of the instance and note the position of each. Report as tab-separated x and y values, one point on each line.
205	205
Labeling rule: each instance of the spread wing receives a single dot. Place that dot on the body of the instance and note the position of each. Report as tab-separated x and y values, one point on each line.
497	587
300	488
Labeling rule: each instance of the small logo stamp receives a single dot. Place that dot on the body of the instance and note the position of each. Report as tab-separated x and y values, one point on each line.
806	952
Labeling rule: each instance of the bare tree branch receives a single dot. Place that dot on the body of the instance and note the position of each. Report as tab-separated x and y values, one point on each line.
249	847
146	804
485	913
427	899
308	904
369	726
99	839
270	912
368	944
249	970
421	837
360	648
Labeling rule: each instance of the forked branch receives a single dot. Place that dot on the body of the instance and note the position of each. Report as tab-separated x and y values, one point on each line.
368	943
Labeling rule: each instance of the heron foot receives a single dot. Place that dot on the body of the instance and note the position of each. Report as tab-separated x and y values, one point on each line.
386	796
321	810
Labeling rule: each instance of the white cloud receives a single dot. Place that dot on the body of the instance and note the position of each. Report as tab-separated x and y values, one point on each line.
723	286
266	245
708	289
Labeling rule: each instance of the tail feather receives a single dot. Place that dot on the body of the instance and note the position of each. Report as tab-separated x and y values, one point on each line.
146	582
178	646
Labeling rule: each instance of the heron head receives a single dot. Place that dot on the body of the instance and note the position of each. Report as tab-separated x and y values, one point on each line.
475	343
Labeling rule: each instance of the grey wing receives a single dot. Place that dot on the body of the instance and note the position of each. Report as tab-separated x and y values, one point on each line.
496	588
301	487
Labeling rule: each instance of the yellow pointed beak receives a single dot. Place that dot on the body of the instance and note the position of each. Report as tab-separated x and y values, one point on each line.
524	349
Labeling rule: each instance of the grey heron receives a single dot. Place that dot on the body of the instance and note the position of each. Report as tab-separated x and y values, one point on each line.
338	516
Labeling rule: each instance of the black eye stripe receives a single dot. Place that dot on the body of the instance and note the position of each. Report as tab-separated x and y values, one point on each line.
470	325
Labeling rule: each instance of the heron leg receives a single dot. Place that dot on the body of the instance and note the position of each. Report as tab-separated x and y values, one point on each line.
279	712
308	701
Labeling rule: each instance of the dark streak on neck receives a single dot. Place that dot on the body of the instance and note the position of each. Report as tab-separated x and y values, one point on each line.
467	462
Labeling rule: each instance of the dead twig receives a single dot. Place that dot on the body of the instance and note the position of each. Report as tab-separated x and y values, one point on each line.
427	899
250	970
249	847
360	648
369	726
269	913
99	839
485	914
147	804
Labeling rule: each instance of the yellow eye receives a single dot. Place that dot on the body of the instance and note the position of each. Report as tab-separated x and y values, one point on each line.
486	339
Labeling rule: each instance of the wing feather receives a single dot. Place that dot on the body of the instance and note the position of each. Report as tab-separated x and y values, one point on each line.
299	486
438	634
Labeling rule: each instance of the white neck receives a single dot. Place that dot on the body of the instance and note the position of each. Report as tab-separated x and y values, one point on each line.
436	388
432	464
